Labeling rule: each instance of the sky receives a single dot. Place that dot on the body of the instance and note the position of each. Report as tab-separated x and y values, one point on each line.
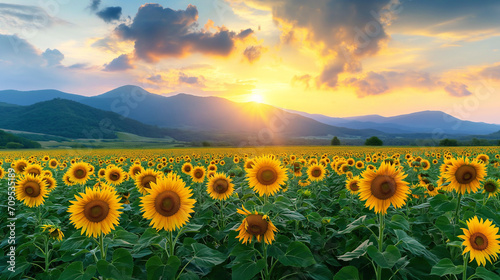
339	58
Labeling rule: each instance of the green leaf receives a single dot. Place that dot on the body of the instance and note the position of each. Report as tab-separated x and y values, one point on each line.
354	225
399	222
445	267
297	255
247	269
347	273
292	215
485	274
356	253
444	225
207	257
386	259
412	245
191	228
121	267
74	271
319	272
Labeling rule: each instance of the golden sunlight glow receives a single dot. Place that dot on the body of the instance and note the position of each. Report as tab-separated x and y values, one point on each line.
255	97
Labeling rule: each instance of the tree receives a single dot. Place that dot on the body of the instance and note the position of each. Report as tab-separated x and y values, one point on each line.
448	142
335	141
373	141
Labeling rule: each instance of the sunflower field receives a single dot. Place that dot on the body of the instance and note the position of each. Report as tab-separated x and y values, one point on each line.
266	213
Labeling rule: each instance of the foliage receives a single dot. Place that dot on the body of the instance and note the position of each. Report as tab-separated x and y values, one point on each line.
373	141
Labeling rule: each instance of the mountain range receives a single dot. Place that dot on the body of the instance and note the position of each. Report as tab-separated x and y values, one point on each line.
191	118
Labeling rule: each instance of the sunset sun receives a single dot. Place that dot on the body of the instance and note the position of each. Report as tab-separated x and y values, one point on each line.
255	97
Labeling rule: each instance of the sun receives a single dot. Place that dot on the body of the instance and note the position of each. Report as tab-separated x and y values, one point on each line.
255	97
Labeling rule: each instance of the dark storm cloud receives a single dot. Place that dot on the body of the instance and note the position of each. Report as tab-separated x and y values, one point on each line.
120	63
110	14
162	32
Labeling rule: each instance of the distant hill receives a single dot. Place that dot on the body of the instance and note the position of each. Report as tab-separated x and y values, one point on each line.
71	119
11	141
419	122
31	97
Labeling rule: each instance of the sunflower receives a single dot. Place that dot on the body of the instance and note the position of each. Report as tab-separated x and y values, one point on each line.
144	179
187	168
304	183
79	172
255	224
114	175
19	165
101	173
425	164
383	187
465	175
480	239
212	167
491	187
198	174
31	190
360	164
134	170
220	187
168	203
484	158
266	176
249	163
96	212
2	172
51	182
430	189
316	172
353	185
33	169
54	232
67	180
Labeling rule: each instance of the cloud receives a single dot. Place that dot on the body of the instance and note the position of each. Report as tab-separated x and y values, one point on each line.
491	72
155	78
162	32
121	63
457	89
110	14
53	57
94	5
26	17
304	80
191	80
15	50
377	83
253	53
457	18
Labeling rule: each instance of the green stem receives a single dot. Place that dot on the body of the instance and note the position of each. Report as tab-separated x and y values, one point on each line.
101	246
464	274
172	245
458	208
264	249
380	243
47	254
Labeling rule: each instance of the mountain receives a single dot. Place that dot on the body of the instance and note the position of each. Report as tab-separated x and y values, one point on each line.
71	119
419	122
31	97
214	115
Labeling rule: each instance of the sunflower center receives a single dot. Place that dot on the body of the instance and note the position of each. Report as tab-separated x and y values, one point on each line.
479	241
490	187
187	169
136	171
267	176
167	203
430	187
383	187
354	186
198	174
96	210
220	186
115	176
34	171
32	189
296	167
146	181
80	173
54	233
465	174
53	163
316	172
256	225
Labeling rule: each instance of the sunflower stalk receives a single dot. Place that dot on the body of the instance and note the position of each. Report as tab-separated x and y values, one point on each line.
101	246
380	243
47	254
464	274
458	208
